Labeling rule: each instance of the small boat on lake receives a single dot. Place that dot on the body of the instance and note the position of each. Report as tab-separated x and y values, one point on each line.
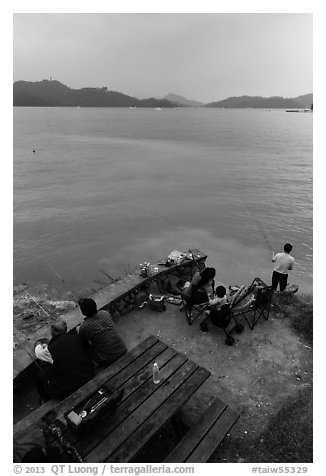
298	110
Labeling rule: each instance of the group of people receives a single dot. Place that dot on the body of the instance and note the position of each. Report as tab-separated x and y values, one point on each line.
68	360
201	288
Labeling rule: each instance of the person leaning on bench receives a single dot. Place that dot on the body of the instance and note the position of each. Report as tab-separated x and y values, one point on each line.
71	365
99	333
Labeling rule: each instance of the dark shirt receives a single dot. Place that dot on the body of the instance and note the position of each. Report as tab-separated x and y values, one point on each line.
72	366
197	293
100	333
193	286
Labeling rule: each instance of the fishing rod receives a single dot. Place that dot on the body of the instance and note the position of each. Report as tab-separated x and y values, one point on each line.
33	299
55	271
261	229
59	277
33	357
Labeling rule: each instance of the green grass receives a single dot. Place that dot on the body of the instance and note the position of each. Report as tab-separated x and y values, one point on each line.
288	438
299	310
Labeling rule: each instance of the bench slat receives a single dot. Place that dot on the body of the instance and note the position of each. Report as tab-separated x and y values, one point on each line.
148	428
214	437
186	446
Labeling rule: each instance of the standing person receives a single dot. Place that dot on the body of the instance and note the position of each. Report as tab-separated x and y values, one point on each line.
283	264
99	333
71	367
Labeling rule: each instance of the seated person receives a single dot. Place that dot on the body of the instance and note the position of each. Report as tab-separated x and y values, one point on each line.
219	307
44	361
42	352
201	287
99	333
71	367
221	297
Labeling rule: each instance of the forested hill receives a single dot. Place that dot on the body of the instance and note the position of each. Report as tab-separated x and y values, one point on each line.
304	101
53	93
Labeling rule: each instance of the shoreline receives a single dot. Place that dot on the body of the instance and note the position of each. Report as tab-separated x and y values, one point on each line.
37	305
267	375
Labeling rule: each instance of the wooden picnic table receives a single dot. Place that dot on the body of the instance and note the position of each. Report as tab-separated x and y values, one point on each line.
144	408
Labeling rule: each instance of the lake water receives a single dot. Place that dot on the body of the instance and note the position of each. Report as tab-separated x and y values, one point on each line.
107	189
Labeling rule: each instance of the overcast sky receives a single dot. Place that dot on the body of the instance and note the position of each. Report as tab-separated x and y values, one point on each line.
202	56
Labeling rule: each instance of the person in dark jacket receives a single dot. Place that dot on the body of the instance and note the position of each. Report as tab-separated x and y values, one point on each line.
72	366
99	333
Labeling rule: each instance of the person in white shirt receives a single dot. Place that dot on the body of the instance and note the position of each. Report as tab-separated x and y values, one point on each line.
283	264
219	309
221	297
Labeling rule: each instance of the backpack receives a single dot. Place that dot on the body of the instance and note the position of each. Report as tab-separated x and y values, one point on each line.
156	302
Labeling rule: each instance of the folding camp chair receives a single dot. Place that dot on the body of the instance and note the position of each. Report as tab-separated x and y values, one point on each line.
192	308
255	303
192	311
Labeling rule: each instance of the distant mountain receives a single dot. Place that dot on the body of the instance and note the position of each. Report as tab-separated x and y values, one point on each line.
180	100
274	102
306	100
53	93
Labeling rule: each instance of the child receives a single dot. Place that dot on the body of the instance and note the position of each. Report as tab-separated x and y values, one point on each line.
219	309
221	297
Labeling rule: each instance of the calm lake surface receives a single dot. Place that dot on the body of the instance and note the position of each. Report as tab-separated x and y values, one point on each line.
107	189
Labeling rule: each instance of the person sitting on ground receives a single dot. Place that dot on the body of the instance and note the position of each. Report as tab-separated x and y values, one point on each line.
201	287
99	332
71	368
283	263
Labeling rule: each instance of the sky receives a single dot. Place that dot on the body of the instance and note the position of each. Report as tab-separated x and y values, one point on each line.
201	56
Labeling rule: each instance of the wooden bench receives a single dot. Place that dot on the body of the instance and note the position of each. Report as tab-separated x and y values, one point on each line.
144	409
202	439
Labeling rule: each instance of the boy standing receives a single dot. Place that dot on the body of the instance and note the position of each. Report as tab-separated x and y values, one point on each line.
283	264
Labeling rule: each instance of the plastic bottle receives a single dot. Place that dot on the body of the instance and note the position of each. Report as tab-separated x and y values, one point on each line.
156	373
